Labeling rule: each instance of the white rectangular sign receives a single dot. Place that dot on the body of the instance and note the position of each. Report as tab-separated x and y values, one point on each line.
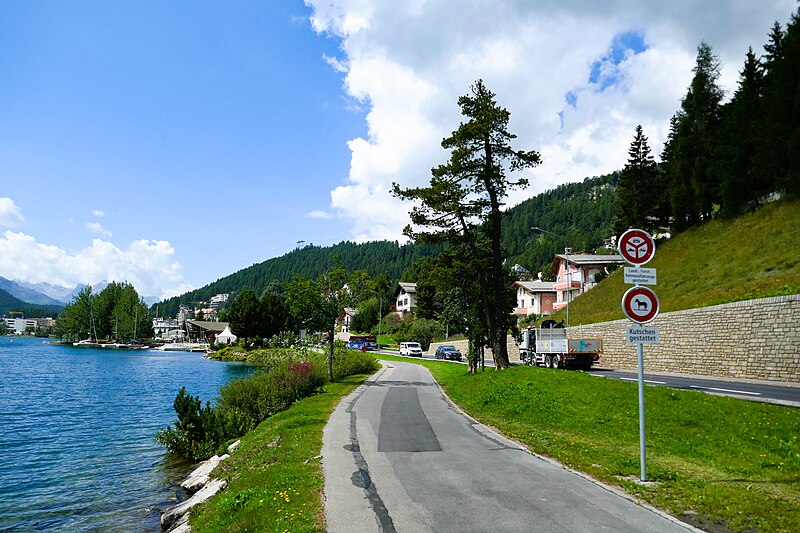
641	335
640	276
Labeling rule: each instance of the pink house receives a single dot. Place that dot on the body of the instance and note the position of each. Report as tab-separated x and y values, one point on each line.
577	274
534	297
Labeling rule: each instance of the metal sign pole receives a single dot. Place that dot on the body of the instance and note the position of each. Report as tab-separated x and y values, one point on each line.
642	451
637	247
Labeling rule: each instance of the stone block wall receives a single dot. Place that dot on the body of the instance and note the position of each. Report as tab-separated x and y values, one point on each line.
754	339
462	345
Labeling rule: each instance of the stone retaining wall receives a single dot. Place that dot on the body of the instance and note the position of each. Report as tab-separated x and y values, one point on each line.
462	345
753	339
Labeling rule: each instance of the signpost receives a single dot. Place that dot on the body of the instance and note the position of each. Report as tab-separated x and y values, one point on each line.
636	247
641	305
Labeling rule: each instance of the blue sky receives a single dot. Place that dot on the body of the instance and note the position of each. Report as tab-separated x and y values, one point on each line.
173	143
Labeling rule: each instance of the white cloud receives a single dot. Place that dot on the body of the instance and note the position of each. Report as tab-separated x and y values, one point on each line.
148	264
319	214
10	214
98	213
408	62
98	228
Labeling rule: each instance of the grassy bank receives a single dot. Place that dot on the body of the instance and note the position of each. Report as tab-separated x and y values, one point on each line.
754	256
717	461
274	477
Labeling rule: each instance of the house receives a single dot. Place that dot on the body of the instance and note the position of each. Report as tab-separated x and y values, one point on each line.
577	273
405	298
345	319
534	298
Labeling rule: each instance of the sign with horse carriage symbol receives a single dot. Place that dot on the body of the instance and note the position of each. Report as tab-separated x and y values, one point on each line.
640	304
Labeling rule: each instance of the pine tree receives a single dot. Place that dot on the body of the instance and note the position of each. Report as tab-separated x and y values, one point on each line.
694	144
741	184
463	204
636	195
782	108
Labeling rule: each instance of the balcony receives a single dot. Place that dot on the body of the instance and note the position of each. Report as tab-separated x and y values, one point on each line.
562	286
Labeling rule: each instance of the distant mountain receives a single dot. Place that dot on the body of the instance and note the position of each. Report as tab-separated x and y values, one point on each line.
26	294
57	292
10	303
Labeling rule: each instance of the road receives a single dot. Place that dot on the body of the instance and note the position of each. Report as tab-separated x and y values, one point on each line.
784	394
397	456
787	394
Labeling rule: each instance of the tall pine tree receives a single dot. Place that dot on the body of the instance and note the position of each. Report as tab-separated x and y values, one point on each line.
694	182
463	204
637	192
740	184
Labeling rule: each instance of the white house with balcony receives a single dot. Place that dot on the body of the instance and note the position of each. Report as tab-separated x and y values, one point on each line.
534	298
577	273
405	298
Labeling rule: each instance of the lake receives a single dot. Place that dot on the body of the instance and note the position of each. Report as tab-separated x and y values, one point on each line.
76	430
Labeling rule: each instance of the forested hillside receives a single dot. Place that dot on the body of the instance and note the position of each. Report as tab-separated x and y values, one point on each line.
579	214
309	261
10	303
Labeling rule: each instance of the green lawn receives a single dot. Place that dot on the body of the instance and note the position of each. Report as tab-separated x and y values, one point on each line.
753	256
732	462
274	477
721	463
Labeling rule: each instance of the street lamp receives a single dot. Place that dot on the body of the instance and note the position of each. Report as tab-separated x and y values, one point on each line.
567	251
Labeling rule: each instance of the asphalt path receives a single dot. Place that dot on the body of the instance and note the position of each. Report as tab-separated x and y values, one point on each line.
398	456
783	394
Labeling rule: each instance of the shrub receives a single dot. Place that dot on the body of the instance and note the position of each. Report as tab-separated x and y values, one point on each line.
348	362
284	377
197	432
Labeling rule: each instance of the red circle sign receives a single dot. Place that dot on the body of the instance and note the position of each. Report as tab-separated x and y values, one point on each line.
640	304
636	246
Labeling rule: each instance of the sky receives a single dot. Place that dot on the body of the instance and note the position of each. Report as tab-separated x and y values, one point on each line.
169	144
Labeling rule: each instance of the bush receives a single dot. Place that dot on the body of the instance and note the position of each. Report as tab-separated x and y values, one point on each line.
197	432
284	377
259	396
347	362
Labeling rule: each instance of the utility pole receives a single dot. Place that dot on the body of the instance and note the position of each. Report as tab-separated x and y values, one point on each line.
567	270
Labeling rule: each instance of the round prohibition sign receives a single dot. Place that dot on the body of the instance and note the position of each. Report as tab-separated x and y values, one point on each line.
640	304
636	246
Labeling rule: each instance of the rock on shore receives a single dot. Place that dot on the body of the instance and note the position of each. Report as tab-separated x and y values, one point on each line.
202	487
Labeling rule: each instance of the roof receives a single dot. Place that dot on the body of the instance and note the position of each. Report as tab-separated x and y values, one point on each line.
208	325
408	287
536	286
592	259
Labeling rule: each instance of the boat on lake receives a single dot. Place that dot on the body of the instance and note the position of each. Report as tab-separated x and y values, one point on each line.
86	343
185	347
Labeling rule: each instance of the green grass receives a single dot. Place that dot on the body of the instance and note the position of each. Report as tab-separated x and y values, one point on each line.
733	462
274	476
753	256
729	462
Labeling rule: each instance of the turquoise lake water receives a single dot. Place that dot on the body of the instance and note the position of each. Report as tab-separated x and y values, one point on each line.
76	430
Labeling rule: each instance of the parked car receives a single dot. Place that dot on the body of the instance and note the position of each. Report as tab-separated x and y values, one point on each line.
414	349
448	351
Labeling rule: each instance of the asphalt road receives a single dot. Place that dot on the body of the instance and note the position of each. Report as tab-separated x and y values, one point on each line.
397	456
787	394
783	394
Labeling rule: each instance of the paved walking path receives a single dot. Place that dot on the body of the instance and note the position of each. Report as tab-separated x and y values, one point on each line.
397	456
